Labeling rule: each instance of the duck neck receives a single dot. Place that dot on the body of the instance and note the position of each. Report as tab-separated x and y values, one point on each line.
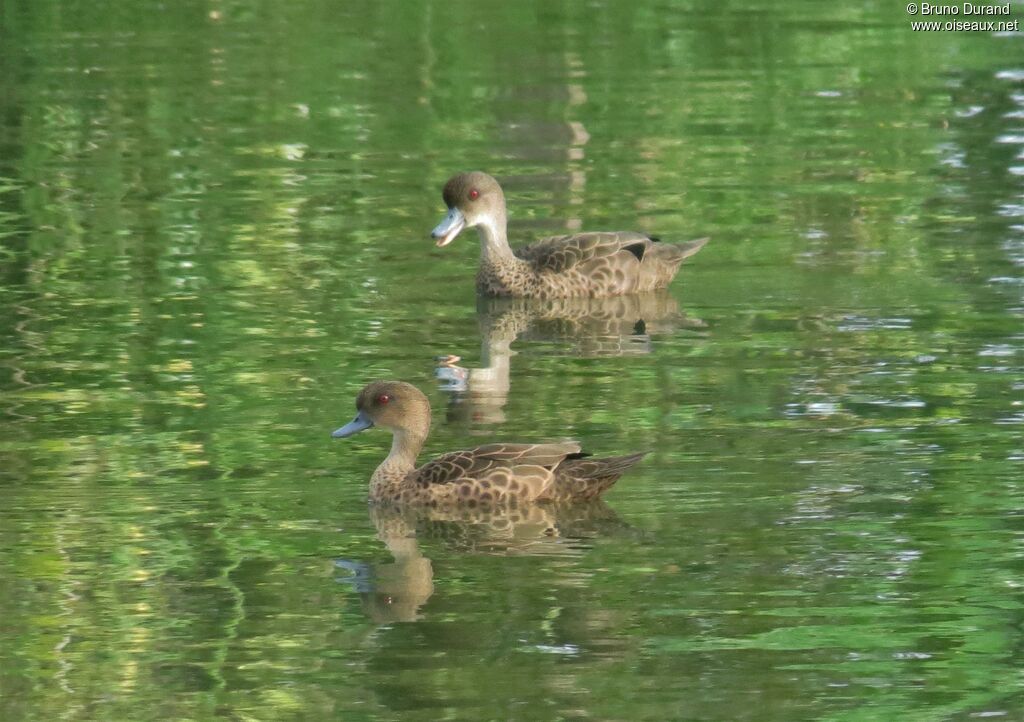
494	248
405	447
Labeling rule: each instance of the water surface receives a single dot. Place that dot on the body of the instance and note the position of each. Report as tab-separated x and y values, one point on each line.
214	226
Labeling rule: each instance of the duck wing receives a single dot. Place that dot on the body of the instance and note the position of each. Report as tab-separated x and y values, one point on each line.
540	454
522	471
582	479
560	253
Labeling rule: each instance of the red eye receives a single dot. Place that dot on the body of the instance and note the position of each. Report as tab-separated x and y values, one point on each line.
383	399
474	194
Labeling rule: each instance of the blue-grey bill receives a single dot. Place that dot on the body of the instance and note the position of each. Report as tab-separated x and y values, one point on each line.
360	423
449	227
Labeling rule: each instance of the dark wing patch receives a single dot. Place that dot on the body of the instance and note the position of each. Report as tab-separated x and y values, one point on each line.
578	455
637	249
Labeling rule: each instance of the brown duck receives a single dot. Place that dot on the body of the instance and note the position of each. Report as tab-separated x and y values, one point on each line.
584	264
490	475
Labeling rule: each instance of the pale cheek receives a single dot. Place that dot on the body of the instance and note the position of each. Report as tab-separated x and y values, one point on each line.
486	222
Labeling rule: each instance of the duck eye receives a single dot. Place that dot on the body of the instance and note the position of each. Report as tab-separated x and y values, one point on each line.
474	194
383	399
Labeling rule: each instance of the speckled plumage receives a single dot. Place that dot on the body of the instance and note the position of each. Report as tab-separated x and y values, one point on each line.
583	264
485	476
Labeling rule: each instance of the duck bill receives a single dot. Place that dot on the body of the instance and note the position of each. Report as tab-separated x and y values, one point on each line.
448	228
360	423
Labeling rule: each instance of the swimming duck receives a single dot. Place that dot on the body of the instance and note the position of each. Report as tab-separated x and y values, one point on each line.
490	475
584	264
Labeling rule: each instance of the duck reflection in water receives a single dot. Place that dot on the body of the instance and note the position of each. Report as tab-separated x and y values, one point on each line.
589	327
396	591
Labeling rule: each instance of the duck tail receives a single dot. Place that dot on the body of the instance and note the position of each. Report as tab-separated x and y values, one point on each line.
676	253
666	257
582	479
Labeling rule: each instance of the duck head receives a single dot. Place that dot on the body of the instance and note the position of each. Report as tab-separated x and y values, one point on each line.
399	407
474	200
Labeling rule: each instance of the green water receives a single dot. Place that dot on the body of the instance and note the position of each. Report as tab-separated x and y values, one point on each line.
214	225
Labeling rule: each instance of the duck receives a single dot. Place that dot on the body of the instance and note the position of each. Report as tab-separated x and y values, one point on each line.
491	475
595	264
